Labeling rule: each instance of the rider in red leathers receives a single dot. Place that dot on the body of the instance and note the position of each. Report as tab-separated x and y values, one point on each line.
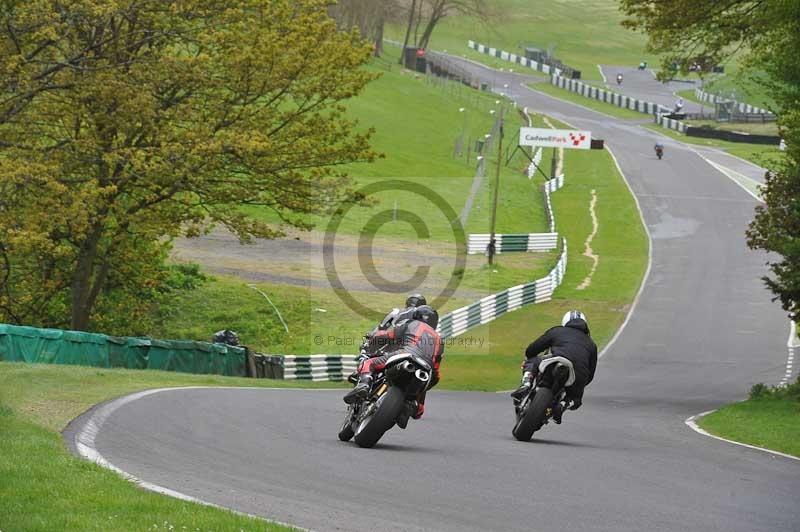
416	336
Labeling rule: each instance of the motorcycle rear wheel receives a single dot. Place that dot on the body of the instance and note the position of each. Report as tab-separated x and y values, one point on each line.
532	417
373	427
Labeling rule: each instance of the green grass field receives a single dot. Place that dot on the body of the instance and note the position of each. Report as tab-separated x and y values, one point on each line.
44	488
771	420
581	33
743	86
417	122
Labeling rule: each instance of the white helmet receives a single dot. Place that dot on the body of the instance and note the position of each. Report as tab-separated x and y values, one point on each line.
573	315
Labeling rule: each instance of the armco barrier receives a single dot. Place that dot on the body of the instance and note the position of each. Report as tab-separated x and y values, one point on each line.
56	346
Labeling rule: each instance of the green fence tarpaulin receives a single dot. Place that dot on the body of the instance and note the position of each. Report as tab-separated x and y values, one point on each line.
54	346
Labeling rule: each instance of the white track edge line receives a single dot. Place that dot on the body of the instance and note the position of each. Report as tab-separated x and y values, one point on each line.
724	171
692	424
649	257
84	441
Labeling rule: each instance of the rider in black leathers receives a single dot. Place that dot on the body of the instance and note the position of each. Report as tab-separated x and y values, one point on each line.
571	341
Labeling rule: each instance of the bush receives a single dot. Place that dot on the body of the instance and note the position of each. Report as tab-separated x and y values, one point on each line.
759	390
790	392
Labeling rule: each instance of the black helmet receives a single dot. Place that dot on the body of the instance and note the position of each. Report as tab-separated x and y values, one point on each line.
415	300
427	315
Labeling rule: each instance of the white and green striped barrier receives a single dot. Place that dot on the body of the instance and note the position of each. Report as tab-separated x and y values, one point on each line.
607	96
318	367
670	123
512	58
551	186
505	243
744	108
492	307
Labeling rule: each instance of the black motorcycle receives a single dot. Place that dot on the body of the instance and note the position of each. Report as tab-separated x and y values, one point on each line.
547	393
659	152
391	400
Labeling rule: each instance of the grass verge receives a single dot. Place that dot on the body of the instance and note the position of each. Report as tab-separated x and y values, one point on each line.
770	418
44	488
488	357
751	128
591	103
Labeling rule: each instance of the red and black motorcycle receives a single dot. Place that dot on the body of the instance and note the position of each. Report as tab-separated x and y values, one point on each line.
391	400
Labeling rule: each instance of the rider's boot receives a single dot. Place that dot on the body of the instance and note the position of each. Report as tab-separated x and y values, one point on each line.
525	387
360	391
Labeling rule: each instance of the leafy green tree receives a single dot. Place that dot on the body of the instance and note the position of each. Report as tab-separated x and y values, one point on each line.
768	32
125	123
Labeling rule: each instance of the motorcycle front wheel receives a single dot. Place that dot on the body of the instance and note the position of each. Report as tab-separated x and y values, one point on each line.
347	432
371	429
532	417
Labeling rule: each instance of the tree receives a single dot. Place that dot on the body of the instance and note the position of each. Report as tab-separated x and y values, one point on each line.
124	123
428	15
768	32
368	16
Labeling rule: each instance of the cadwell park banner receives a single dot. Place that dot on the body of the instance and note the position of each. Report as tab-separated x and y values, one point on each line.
555	138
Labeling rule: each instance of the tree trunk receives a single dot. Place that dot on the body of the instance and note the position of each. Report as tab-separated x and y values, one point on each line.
379	37
426	35
419	21
411	13
84	292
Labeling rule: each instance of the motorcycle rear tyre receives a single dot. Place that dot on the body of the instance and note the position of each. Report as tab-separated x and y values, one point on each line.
370	431
532	418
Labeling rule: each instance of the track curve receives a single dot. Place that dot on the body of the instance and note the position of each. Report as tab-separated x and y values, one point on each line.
703	332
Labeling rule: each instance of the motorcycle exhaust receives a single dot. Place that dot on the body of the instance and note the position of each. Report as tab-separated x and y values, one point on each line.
407	366
422	375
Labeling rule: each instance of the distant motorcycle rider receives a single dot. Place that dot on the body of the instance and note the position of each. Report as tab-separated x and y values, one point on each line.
572	341
416	336
659	149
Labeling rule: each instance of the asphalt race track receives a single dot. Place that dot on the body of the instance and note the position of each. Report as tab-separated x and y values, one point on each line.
703	332
642	84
